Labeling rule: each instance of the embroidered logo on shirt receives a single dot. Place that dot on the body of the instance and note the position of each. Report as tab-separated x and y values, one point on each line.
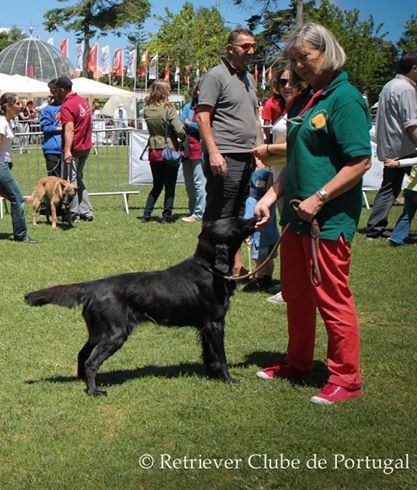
319	120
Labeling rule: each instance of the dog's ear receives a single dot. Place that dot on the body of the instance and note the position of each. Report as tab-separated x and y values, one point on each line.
221	258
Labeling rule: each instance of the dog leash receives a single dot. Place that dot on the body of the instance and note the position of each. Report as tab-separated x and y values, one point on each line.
315	275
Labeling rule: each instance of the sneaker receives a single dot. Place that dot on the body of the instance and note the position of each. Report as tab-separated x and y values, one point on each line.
280	370
145	220
276	299
191	219
331	394
87	217
27	239
75	219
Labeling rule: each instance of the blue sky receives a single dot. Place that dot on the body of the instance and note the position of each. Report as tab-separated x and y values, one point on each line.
392	13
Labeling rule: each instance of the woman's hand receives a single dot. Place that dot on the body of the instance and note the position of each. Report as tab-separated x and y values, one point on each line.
261	152
391	163
262	210
308	208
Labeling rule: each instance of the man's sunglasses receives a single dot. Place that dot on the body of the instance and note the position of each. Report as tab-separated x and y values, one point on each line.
246	46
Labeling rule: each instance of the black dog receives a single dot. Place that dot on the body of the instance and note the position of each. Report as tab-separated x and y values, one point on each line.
193	292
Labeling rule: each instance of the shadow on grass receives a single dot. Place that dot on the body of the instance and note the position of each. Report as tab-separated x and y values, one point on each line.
316	378
120	376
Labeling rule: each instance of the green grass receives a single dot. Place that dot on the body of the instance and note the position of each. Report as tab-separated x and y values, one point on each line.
55	436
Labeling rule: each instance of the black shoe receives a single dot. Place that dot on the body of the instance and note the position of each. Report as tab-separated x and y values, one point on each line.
75	219
27	239
165	221
253	286
145	220
89	217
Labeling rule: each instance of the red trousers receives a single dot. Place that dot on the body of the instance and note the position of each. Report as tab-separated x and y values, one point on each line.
334	301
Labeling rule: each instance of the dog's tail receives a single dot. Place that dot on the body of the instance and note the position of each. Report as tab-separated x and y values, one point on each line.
69	296
29	199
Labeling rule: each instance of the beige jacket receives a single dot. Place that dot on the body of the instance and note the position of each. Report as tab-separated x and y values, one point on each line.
154	117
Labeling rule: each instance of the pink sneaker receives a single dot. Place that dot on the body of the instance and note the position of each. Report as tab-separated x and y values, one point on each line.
331	394
280	370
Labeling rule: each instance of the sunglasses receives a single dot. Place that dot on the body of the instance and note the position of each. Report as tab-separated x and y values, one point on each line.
283	82
246	46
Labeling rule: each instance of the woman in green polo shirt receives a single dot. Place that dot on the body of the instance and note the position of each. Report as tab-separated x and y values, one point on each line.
328	151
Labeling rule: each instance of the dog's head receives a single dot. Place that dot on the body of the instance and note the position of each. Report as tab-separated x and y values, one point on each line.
68	192
221	239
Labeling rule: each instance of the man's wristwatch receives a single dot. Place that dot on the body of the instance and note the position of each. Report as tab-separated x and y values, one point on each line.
323	194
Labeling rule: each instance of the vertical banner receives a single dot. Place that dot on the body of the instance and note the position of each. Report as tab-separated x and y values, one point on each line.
256	76
92	64
187	76
80	54
263	82
118	62
143	64
131	64
105	67
167	71
153	68
63	46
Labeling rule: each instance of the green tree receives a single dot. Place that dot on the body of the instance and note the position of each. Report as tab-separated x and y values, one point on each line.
192	37
90	17
10	37
370	58
408	41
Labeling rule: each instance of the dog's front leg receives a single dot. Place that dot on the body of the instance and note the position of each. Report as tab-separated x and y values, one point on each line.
53	212
214	356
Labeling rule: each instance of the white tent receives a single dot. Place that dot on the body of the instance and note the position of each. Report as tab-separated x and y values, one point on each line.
92	88
21	85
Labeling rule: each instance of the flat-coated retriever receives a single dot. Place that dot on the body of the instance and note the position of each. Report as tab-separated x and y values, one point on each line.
192	293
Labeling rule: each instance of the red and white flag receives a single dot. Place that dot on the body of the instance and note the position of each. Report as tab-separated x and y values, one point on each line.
167	71
256	76
143	64
153	68
92	64
118	62
63	46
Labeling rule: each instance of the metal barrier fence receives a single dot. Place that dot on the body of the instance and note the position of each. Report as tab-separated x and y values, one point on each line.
106	171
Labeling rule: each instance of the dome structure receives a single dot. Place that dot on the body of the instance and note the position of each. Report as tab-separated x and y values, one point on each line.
36	59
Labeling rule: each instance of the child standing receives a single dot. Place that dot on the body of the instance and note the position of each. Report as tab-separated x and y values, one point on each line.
264	240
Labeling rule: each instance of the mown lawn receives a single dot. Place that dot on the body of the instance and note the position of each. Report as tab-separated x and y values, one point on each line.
161	405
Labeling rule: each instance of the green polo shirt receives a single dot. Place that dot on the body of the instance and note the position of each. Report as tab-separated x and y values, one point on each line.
329	134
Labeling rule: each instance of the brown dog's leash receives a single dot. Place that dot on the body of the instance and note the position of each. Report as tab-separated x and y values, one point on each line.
250	274
315	275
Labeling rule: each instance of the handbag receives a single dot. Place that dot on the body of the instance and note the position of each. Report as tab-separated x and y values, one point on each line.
170	156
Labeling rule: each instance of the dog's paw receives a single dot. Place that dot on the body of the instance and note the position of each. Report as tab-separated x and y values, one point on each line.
232	381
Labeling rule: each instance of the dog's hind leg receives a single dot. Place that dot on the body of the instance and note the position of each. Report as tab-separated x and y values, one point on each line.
214	356
104	349
83	355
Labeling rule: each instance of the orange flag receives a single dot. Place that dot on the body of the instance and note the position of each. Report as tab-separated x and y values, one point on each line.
63	46
92	64
118	62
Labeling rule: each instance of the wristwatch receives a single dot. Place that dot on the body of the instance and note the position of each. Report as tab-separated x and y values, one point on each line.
323	194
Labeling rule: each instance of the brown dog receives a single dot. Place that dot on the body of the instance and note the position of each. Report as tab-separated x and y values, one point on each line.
54	191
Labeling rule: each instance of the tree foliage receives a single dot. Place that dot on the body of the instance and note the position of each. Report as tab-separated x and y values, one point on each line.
191	37
408	41
370	58
88	18
10	37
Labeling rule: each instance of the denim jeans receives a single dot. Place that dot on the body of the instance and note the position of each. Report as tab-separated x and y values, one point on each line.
163	176
385	198
402	228
9	188
195	183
